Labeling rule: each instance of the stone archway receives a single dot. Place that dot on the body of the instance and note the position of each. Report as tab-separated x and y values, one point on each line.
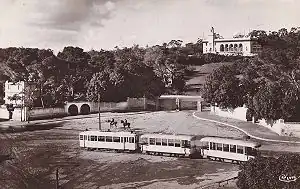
73	110
85	109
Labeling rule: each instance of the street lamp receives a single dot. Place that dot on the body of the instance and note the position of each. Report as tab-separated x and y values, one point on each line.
99	111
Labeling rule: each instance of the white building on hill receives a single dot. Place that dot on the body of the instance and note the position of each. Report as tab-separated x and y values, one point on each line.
245	46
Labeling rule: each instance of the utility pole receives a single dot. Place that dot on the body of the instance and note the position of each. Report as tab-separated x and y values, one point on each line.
99	111
57	183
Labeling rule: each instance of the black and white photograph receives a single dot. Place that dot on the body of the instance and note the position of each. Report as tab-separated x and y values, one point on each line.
147	94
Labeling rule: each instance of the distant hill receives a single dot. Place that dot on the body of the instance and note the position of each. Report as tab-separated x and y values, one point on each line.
196	79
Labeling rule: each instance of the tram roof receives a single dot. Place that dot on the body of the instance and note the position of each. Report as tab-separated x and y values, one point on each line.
168	136
231	141
108	133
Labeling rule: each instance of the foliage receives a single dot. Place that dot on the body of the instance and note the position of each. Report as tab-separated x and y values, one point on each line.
264	172
223	87
269	83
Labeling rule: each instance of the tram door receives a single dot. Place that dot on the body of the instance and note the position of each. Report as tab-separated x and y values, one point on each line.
123	141
84	138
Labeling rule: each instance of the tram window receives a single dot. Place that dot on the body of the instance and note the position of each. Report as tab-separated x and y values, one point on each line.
152	141
125	139
145	140
233	148
226	147
85	137
204	145
101	138
240	149
164	142
116	139
213	146
122	139
89	138
95	138
251	151
158	141
92	138
81	137
219	146
186	143
170	142
131	139
177	143
108	139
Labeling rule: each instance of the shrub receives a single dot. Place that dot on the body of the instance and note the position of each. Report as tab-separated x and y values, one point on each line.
270	173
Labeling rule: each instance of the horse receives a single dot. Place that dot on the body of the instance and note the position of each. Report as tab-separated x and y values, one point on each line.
125	123
112	122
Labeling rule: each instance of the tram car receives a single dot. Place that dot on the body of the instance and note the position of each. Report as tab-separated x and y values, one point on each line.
222	149
121	141
159	144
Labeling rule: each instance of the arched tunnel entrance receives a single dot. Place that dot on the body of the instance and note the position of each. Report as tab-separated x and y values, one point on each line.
85	109
73	110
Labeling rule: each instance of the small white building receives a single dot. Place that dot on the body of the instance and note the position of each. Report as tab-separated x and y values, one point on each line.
245	46
12	89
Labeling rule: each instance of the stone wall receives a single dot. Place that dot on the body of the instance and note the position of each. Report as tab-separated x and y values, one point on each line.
42	113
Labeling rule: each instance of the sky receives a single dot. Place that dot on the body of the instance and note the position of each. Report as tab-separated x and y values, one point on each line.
105	24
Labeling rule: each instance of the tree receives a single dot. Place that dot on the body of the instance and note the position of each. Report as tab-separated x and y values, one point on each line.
223	87
270	173
166	64
122	74
79	72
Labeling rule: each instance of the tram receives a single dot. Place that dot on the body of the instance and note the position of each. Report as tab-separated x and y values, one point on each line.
122	141
177	145
222	149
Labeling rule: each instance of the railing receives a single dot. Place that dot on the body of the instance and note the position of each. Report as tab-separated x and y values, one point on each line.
219	183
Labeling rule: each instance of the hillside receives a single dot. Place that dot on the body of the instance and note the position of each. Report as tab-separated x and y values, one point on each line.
197	79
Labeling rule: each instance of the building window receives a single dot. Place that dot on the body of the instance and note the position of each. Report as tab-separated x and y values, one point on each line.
222	48
226	47
231	47
235	47
241	47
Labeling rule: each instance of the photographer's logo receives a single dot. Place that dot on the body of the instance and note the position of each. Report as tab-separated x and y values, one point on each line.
285	178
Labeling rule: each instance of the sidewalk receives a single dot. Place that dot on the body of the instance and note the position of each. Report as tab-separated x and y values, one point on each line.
253	130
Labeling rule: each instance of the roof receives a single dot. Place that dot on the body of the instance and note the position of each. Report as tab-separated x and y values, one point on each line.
108	133
168	136
233	39
231	141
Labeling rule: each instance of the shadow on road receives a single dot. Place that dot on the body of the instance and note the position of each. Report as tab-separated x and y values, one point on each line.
31	127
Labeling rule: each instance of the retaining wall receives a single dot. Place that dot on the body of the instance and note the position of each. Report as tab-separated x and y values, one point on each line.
278	126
